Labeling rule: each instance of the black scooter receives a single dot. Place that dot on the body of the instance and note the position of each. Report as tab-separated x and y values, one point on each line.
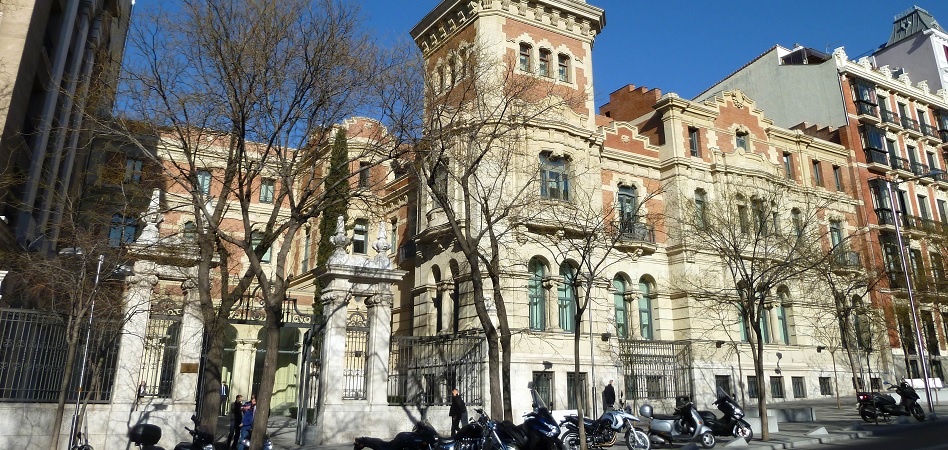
872	405
686	425
145	436
732	423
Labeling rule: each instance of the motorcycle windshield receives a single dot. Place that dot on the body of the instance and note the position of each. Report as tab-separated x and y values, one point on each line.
538	402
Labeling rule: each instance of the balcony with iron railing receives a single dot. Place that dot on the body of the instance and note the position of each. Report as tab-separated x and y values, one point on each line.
884	216
920	169
875	156
635	234
890	119
930	131
900	163
845	260
911	126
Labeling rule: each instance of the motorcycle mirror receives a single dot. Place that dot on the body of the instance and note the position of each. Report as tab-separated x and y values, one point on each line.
529	385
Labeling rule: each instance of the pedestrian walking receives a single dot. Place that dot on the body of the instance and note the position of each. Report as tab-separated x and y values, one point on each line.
457	412
236	415
608	397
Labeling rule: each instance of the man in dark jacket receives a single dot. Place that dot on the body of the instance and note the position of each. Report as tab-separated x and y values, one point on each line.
457	412
246	423
236	415
608	397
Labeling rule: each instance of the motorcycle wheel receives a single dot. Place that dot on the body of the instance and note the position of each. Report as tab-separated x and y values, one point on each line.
868	413
707	440
742	429
918	413
637	440
571	440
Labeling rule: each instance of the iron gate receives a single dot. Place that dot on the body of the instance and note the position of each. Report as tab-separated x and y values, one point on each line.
357	333
657	369
424	369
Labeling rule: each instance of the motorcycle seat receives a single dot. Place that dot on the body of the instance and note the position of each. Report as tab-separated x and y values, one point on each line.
665	417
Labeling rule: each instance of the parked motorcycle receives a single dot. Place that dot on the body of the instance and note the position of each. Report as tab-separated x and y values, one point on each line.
872	405
604	431
200	440
686	425
732	423
145	436
422	437
539	425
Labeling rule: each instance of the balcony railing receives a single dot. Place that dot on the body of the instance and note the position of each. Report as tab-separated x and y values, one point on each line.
885	217
874	156
910	124
846	258
919	168
929	131
900	163
890	117
866	109
635	230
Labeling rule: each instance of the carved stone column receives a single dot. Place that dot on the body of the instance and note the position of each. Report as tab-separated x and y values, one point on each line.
245	354
632	302
138	298
551	303
379	346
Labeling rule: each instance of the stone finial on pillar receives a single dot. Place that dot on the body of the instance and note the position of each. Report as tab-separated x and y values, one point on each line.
152	218
382	247
340	241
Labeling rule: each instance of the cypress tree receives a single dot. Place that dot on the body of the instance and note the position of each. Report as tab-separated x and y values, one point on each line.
337	201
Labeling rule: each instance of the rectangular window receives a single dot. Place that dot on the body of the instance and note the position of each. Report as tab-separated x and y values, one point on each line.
266	190
364	174
817	174
693	142
545	56
543	383
554	181
932	162
563	72
360	237
826	386
256	238
835	232
942	211
204	182
700	209
838	177
752	390
788	165
923	207
740	141
776	387
723	382
938	267
525	55
574	383
799	387
133	170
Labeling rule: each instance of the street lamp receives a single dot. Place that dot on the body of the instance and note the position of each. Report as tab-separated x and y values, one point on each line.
73	251
890	184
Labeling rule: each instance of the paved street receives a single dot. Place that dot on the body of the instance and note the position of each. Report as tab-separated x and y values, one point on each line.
844	429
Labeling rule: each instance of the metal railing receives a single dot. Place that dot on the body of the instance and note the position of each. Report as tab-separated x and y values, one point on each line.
656	369
33	351
635	230
900	163
910	124
865	108
424	369
890	117
929	131
877	157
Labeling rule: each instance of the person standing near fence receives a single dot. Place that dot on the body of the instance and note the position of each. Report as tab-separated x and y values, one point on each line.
246	423
457	412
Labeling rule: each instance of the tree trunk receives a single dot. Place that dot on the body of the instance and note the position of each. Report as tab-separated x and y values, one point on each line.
262	414
577	391
761	389
213	372
72	342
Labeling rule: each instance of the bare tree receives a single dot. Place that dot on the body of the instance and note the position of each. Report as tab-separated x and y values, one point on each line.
236	101
592	237
738	228
482	177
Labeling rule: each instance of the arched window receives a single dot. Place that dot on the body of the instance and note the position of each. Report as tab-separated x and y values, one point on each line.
122	230
628	200
646	325
782	312
535	292
567	299
526	54
563	72
622	320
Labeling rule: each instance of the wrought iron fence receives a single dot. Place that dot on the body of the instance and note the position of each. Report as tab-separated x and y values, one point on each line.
160	354
657	369
357	333
424	369
33	353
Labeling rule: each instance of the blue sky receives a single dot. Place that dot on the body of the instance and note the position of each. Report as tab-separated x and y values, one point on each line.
685	46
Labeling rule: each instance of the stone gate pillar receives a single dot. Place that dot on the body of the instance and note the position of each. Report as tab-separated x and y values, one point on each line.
379	346
138	298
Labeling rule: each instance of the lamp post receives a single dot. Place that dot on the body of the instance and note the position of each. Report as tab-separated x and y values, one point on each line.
890	184
85	348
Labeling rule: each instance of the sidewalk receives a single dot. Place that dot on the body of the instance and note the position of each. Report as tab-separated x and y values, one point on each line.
840	424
